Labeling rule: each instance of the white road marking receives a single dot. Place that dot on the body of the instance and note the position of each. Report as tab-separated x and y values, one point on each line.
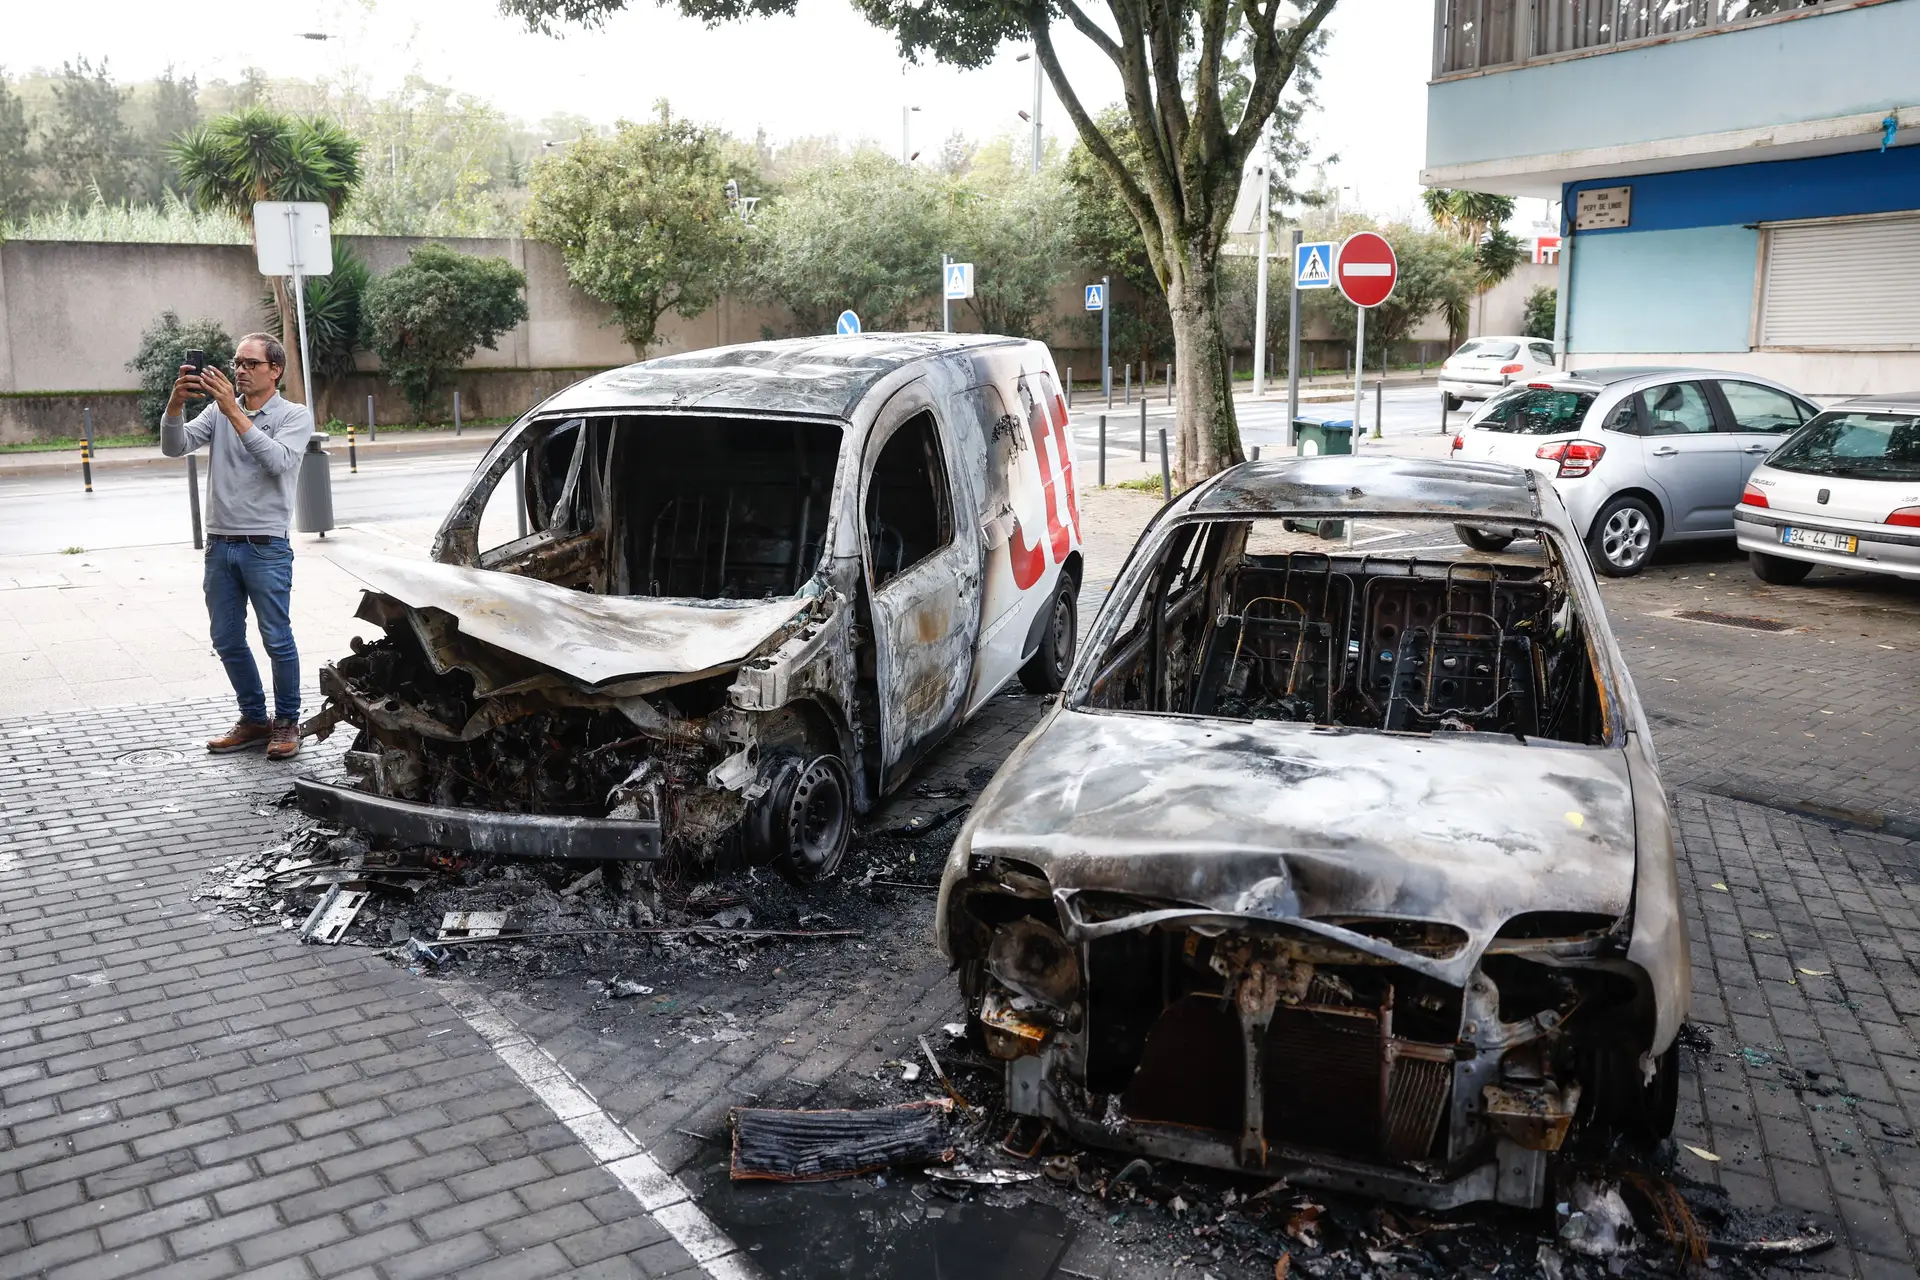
664	1197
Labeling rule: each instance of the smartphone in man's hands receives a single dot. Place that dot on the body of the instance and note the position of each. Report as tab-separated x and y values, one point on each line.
195	359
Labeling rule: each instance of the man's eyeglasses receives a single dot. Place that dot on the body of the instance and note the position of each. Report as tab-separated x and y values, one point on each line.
250	365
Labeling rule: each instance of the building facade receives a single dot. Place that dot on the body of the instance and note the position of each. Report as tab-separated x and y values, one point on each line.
1737	180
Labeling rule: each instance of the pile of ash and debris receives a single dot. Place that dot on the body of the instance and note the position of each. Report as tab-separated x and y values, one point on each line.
1622	1221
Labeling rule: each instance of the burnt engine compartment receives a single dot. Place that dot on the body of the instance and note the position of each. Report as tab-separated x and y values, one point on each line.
428	736
1367	641
1352	1055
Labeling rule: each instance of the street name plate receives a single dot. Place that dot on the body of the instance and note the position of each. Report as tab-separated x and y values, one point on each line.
1602	207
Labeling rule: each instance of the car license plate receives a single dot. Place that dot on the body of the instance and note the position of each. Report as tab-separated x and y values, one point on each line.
1820	540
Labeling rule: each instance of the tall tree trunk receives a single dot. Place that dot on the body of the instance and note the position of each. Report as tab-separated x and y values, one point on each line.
294	386
1209	434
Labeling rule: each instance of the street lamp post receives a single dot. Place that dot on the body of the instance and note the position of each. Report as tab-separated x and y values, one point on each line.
906	156
1260	287
1034	119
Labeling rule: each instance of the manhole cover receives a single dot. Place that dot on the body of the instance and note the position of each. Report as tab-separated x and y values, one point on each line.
1733	620
151	758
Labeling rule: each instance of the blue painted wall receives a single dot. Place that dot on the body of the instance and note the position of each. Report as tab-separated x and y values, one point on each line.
1814	67
1663	291
1854	182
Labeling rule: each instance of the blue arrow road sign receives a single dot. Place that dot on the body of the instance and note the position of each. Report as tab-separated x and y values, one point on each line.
848	323
1313	265
1096	297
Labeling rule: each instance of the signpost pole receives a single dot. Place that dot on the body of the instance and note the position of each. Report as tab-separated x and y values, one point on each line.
1260	296
946	303
1293	339
1106	365
1359	369
300	309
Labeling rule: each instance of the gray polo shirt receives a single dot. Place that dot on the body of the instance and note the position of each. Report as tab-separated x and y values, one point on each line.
250	477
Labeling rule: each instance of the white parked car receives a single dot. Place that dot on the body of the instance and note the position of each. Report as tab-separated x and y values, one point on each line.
1640	456
1844	490
1480	368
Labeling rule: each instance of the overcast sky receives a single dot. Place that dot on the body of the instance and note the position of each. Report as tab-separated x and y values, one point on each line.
824	71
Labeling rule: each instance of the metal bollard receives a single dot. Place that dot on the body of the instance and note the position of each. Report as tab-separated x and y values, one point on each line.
1143	434
1229	373
86	446
1166	477
1069	386
456	413
1103	451
1169	382
353	453
1256	454
193	499
1126	375
371	433
1109	381
1379	401
1443	413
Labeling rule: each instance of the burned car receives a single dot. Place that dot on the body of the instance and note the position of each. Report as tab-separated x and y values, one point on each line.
715	604
1343	861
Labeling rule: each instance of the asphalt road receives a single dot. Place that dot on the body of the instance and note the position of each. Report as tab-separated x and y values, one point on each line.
143	508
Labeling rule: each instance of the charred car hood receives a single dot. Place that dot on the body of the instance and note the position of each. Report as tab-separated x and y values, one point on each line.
1284	823
594	639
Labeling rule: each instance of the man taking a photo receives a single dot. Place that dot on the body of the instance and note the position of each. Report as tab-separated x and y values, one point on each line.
255	440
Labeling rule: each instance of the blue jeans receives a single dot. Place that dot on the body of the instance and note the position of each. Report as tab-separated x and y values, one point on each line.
260	573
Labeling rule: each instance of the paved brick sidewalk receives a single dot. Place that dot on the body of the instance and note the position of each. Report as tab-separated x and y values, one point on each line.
180	1097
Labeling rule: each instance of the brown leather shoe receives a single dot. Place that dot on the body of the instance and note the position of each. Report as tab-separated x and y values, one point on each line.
244	734
284	740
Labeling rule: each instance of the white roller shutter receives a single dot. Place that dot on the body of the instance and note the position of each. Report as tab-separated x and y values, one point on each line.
1848	283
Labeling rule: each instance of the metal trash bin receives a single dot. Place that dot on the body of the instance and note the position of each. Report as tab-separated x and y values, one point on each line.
313	491
1314	437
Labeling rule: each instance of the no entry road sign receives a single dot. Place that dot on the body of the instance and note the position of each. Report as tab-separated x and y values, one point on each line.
1365	269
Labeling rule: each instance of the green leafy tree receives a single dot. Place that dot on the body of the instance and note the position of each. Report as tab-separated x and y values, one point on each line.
16	155
437	162
163	348
860	232
1495	259
169	109
336	316
1201	80
1107	238
1477	219
1012	225
426	319
88	144
1542	306
256	154
642	221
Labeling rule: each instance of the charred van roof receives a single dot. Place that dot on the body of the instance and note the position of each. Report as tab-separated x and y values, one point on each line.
815	376
1402	486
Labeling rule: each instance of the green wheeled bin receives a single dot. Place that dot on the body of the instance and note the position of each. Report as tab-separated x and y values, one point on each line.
1314	437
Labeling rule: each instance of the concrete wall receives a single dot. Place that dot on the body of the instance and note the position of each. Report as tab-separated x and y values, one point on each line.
1818	65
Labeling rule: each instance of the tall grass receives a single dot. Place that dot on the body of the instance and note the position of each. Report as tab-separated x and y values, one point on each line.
171	222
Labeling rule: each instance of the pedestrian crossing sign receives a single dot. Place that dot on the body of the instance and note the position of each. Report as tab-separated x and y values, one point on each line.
1096	297
959	277
1313	265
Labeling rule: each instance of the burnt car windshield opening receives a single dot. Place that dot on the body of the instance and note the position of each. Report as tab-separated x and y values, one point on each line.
1535	412
1865	446
721	508
908	509
1252	620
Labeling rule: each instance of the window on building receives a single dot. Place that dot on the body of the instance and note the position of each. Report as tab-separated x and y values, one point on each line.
1473	34
1835	284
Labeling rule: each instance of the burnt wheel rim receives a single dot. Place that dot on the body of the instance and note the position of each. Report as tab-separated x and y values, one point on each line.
1060	638
817	817
1626	537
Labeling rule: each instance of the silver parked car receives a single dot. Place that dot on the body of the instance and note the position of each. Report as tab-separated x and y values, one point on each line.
1351	866
1640	456
1844	490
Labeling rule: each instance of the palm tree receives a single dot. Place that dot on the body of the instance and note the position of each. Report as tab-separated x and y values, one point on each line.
1497	256
1479	219
257	153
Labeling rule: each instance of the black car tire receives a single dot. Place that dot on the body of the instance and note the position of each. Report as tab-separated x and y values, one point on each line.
1778	570
1481	539
1046	671
1623	537
1452	402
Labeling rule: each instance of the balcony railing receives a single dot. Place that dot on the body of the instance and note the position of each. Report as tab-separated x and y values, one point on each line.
1472	35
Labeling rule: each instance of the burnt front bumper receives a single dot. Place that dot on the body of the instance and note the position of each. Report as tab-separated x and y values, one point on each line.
524	835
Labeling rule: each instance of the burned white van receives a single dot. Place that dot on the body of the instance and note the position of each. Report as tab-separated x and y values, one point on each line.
729	596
